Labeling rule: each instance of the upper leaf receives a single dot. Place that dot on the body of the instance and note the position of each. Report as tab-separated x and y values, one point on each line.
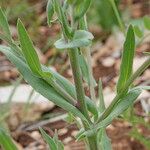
127	59
29	51
138	31
81	38
49	11
4	25
82	8
147	22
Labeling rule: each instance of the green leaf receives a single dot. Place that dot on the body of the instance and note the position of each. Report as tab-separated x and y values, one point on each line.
81	38
4	25
127	59
52	145
146	20
70	88
84	70
39	84
101	97
82	9
29	51
119	108
138	31
6	141
104	141
62	18
59	144
49	11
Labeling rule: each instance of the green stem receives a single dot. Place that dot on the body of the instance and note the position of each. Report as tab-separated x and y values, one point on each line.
92	142
129	82
74	60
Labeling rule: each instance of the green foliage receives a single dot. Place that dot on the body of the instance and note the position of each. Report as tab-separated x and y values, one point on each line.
81	38
120	107
59	90
146	20
6	141
50	11
29	51
138	31
53	143
127	59
39	84
82	8
4	25
104	141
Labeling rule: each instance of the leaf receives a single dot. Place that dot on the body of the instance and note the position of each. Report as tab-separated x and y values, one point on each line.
49	11
146	20
127	59
4	25
52	145
59	144
6	141
70	88
119	108
104	141
84	70
82	9
62	18
101	97
138	31
81	38
29	51
39	84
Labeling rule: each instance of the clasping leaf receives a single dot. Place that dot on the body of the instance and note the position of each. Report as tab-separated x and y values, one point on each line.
81	38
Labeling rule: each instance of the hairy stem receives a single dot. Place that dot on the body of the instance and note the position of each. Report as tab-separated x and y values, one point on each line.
74	60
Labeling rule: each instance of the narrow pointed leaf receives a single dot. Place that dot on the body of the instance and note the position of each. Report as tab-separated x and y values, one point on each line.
127	59
52	145
6	141
62	18
82	9
70	88
101	97
59	144
84	70
120	107
29	51
138	31
147	22
49	11
4	25
39	84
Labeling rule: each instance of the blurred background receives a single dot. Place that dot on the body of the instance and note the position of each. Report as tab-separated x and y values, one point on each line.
22	110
